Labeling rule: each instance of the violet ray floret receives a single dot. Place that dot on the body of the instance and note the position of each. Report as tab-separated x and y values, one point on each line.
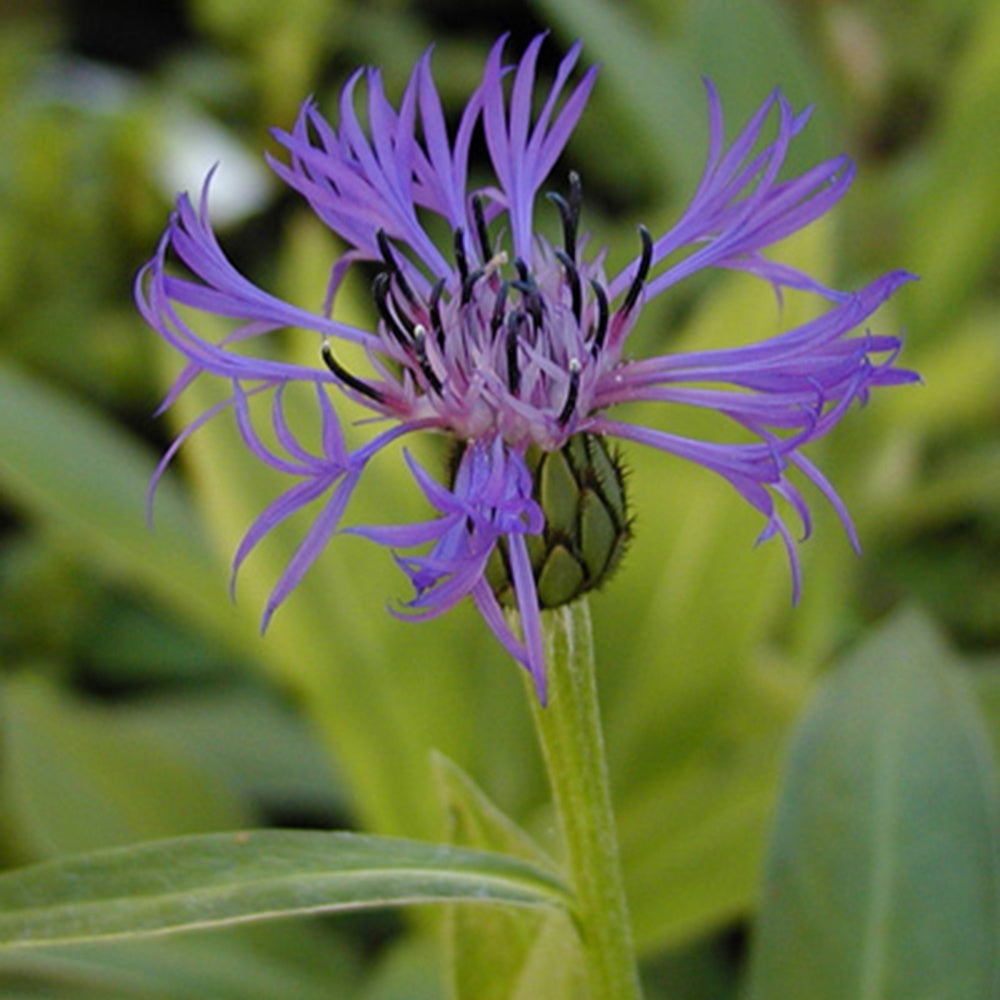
506	344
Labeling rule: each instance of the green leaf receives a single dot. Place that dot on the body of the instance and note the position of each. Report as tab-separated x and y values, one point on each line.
410	968
719	34
475	821
249	737
951	223
298	957
218	879
79	777
657	85
883	879
656	73
693	836
73	470
500	954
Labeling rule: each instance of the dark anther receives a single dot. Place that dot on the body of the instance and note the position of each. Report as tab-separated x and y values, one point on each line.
535	304
601	330
385	248
569	212
434	308
470	283
482	233
420	349
575	288
640	275
380	289
514	323
346	377
528	287
566	214
460	258
571	395
499	308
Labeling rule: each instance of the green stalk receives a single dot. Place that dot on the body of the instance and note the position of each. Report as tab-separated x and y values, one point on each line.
569	729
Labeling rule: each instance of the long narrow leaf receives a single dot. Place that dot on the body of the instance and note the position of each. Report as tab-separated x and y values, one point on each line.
218	879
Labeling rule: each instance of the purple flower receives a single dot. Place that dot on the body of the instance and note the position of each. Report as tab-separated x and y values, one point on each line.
509	345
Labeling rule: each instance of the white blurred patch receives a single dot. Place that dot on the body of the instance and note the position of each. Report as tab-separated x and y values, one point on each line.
188	141
191	144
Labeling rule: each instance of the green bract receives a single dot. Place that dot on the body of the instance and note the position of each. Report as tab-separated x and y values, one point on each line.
581	489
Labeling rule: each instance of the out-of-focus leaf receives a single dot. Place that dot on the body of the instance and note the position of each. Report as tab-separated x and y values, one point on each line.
77	777
45	598
692	836
658	88
960	373
124	641
73	471
554	966
704	970
747	47
950	235
883	877
249	962
246	736
409	968
285	41
221	879
502	954
475	821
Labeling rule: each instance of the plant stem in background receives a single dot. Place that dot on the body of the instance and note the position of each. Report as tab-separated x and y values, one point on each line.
569	729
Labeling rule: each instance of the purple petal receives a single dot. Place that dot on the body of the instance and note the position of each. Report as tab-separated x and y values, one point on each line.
312	545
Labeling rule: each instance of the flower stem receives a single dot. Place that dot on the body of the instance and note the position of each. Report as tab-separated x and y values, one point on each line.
569	729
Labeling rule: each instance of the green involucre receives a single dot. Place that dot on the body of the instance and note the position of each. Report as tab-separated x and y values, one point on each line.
581	489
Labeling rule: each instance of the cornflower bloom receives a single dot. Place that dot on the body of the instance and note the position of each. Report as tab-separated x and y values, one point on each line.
513	347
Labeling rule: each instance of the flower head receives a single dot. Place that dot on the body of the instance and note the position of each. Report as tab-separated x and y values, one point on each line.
514	347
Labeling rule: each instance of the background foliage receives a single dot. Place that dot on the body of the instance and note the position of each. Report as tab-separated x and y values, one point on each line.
138	701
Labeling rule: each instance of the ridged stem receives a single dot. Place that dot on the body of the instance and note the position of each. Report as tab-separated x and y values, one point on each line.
569	729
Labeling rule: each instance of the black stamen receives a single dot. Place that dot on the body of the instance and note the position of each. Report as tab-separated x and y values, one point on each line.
385	248
499	307
565	214
420	349
514	322
571	394
380	289
346	377
640	275
535	304
434	308
601	330
482	232
460	258
569	212
528	287
575	288
469	284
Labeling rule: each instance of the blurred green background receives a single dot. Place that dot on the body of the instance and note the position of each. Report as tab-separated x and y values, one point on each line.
139	701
